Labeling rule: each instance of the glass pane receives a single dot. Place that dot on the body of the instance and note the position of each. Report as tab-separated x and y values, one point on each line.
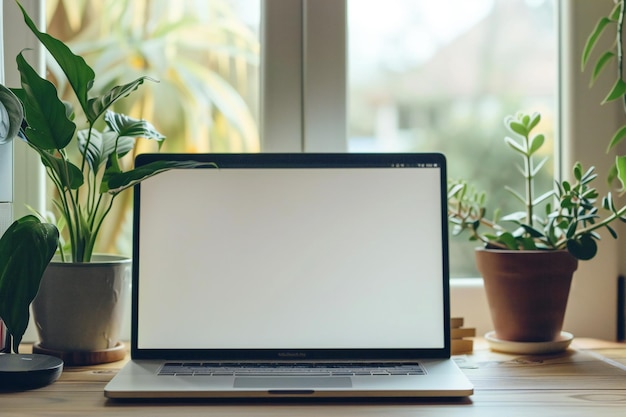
441	76
205	56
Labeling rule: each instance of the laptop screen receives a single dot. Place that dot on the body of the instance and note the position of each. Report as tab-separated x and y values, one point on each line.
292	252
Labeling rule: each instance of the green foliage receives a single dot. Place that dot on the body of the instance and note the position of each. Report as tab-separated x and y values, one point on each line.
87	186
25	251
612	26
571	216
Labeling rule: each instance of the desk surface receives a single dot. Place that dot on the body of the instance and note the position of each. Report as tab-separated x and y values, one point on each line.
587	380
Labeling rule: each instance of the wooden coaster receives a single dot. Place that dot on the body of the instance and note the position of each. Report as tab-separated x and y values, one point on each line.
87	357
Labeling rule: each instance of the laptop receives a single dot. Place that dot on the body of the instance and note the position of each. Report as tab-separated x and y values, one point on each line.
291	275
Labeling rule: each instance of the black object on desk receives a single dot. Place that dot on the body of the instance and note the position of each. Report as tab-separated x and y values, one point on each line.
27	371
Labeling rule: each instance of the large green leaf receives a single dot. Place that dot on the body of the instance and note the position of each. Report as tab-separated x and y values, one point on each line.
618	91
602	62
583	248
593	39
536	143
98	105
127	126
617	137
518	128
14	115
101	146
48	125
25	251
116	182
69	174
78	73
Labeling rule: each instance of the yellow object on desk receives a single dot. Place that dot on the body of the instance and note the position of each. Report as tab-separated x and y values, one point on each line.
461	338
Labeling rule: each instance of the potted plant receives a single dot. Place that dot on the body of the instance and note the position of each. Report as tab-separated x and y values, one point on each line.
26	247
528	257
81	153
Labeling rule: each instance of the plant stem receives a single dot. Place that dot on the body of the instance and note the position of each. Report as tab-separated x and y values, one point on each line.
620	47
95	229
458	214
604	222
528	166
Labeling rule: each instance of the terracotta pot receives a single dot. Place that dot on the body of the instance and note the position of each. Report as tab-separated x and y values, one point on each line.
79	306
527	292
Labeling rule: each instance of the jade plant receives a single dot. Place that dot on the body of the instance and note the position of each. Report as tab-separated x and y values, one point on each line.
564	218
87	181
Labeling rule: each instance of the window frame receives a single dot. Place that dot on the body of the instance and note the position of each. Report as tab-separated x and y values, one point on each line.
297	118
304	76
28	172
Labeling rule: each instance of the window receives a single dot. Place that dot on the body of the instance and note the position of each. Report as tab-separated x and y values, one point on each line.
419	76
592	299
427	76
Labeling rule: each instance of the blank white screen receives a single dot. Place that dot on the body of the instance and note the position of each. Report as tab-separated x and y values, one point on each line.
288	259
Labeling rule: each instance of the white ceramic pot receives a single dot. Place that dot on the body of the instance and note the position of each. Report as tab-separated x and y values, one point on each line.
79	306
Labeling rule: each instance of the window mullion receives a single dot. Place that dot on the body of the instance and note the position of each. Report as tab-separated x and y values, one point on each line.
281	76
303	75
325	76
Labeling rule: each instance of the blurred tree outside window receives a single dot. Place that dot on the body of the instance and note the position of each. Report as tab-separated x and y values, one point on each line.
205	56
442	75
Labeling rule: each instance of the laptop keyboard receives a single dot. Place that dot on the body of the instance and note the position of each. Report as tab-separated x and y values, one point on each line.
291	369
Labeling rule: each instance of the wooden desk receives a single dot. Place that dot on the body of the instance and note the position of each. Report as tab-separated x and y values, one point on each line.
587	380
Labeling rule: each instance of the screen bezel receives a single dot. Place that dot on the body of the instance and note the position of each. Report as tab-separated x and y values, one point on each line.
300	160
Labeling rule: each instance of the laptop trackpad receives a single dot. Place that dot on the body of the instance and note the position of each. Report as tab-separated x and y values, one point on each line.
292	382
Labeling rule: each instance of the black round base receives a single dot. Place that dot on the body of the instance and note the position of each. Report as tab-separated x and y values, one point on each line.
21	372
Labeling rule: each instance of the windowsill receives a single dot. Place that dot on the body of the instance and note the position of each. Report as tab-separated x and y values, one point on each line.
466	282
467	300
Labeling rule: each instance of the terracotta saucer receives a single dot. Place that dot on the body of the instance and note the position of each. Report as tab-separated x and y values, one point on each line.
529	348
81	358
